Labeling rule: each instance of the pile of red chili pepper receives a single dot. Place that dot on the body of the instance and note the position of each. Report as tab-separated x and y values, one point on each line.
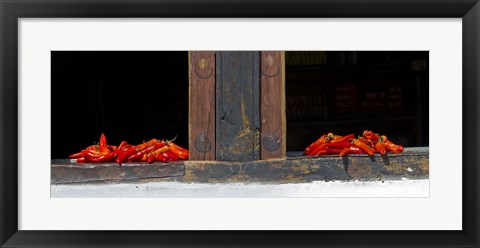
369	143
150	151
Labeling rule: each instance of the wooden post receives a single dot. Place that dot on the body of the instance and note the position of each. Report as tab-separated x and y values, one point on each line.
237	94
202	105
272	108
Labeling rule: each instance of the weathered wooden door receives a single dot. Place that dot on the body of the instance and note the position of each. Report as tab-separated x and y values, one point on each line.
237	105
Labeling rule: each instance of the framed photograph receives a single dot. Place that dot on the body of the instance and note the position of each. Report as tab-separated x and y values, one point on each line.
220	103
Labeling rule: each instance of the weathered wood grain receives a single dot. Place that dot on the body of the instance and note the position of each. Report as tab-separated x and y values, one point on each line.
237	95
64	171
272	105
202	105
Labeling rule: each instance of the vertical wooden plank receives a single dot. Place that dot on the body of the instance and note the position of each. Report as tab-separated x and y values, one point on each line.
272	107
201	105
238	114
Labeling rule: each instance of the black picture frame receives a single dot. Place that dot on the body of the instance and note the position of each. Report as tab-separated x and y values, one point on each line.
10	11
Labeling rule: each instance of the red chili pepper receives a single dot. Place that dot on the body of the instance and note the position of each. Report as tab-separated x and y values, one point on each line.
124	154
338	145
112	148
380	147
371	135
122	144
344	151
160	150
333	150
105	158
159	144
171	155
320	150
146	144
95	149
312	146
366	141
151	158
94	153
324	146
180	152
391	147
103	144
76	155
137	156
161	157
82	160
351	150
344	138
363	146
319	144
356	150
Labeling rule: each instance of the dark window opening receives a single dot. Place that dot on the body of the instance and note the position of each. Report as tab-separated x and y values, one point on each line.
347	92
128	95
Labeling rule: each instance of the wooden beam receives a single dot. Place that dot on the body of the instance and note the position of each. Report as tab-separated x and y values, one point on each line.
65	171
413	163
202	105
272	107
237	94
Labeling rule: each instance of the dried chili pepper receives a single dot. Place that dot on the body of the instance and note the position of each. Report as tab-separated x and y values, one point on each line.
363	147
144	158
366	141
330	144
76	155
124	154
331	150
371	135
82	160
105	158
112	148
380	147
151	158
160	150
356	150
344	151
318	150
102	145
122	144
391	147
146	144
343	138
351	150
159	144
337	145
137	156
161	157
312	146
171	155
179	151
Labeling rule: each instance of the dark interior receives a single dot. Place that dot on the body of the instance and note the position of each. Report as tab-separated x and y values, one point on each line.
128	95
347	92
139	95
